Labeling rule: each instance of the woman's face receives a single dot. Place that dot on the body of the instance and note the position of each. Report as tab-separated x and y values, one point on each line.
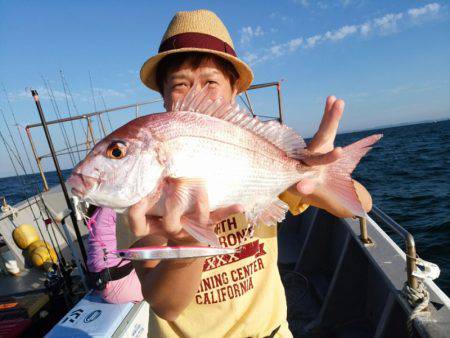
178	83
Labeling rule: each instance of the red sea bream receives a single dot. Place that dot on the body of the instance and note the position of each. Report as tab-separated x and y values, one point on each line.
236	158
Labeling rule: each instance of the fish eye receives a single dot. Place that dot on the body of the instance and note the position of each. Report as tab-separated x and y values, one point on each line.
116	150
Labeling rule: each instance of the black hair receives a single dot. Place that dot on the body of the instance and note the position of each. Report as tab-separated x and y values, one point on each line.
174	61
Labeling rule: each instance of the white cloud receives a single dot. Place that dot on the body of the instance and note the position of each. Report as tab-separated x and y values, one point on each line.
432	8
294	44
384	25
250	58
276	50
281	49
248	33
313	40
108	93
388	23
25	95
327	4
278	17
340	33
365	28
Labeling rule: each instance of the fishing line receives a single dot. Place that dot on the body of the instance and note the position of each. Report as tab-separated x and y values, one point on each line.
16	155
73	102
33	183
50	216
107	113
57	242
17	159
10	136
248	107
26	153
58	115
12	162
70	115
101	127
9	149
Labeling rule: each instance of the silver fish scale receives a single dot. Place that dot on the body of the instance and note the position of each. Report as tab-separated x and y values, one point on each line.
236	165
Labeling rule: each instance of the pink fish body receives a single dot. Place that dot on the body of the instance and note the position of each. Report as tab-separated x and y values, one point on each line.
237	158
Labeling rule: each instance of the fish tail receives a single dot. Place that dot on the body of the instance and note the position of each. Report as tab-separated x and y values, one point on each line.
336	177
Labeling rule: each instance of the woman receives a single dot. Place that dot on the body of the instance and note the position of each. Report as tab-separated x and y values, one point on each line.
113	278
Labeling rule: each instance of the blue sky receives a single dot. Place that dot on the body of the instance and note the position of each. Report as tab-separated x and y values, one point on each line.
388	60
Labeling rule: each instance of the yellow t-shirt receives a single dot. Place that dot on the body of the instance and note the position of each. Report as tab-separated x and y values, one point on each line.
240	295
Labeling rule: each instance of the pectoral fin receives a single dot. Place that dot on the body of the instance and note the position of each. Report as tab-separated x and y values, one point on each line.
189	198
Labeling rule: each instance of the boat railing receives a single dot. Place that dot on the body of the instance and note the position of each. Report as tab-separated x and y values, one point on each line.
90	135
411	259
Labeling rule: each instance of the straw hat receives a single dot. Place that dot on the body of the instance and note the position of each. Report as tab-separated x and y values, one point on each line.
196	31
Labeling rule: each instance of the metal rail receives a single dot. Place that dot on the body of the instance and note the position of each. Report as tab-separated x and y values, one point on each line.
411	260
90	139
276	84
96	113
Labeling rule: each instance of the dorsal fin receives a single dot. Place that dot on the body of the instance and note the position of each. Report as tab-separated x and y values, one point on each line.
278	134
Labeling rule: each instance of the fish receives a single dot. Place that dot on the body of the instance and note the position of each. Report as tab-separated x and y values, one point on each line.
214	145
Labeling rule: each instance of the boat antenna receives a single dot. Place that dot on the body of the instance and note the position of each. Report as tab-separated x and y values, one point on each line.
101	127
35	95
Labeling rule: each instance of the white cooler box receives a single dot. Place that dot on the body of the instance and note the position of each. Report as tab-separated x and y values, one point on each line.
93	317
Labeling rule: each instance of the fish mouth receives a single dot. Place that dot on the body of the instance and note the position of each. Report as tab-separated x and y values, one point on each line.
82	184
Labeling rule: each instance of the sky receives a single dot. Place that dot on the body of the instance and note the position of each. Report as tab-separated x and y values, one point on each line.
389	60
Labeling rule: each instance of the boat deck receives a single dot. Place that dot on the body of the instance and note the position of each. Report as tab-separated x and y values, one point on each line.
29	281
304	300
336	286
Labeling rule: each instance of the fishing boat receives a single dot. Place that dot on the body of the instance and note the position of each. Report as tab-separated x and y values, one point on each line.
343	277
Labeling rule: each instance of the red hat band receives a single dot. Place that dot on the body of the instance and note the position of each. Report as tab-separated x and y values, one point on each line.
196	40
